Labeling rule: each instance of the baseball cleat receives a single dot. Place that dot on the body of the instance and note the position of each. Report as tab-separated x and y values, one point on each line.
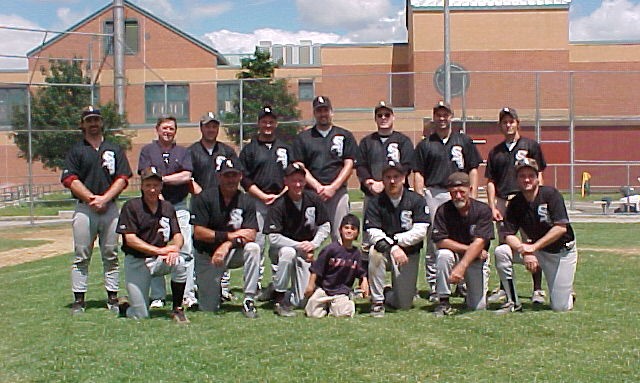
284	310
377	310
156	304
538	297
249	309
178	316
443	309
266	294
113	305
226	295
123	306
497	296
508	307
190	302
77	307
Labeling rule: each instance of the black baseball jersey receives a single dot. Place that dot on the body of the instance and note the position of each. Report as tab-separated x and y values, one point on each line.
263	164
285	218
324	156
156	229
96	169
209	210
337	268
174	160
536	218
205	164
375	151
437	160
450	224
501	164
381	214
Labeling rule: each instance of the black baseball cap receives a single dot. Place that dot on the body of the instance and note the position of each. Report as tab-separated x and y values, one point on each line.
393	165
443	105
150	172
208	117
458	179
510	111
527	163
227	166
383	105
266	111
321	101
294	168
90	111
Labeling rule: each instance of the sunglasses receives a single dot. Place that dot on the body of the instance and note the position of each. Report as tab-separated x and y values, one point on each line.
386	115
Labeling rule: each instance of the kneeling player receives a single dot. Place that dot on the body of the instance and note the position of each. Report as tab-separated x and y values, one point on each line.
333	274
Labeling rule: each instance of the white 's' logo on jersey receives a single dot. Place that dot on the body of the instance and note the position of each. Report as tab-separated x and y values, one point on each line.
543	213
472	230
165	229
310	217
521	154
406	219
457	157
109	161
219	161
282	157
337	145
235	218
393	152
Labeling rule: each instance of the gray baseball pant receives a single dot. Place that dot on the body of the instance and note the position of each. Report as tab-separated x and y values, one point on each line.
403	279
434	197
337	207
476	278
293	269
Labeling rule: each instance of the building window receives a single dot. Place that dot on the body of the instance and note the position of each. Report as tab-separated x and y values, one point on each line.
10	100
305	89
130	37
176	102
228	92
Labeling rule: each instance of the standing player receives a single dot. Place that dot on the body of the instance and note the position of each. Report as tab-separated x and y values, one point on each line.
328	152
462	231
173	162
297	224
224	231
148	224
206	155
397	222
375	151
539	212
96	171
501	180
263	161
438	156
333	274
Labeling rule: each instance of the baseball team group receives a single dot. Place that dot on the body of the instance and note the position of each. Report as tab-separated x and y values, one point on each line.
204	210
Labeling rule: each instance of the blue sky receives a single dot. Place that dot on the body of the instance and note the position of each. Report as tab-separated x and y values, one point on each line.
233	26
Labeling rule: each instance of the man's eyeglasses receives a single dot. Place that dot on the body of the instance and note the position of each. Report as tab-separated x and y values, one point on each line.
385	115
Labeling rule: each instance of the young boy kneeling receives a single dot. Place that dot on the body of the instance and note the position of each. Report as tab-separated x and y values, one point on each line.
333	274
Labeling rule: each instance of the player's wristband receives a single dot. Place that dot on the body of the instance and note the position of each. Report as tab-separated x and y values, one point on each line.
221	236
383	246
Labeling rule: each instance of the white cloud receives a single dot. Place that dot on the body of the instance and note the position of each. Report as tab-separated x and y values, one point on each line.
209	10
17	42
613	20
348	15
391	29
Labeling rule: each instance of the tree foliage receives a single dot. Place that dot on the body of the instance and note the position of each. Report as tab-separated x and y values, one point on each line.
55	116
260	89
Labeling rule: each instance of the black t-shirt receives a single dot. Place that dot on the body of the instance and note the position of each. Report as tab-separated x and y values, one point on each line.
156	229
324	156
96	169
501	163
536	218
375	151
167	162
205	164
449	224
437	160
337	268
296	224
208	210
381	214
264	164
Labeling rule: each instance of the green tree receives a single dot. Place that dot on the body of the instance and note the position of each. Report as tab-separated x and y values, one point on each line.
55	116
260	89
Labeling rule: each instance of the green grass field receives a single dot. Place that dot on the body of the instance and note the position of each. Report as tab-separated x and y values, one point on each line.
598	342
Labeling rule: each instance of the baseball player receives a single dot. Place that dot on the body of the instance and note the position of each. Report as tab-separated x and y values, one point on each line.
462	231
96	171
540	213
397	222
263	161
375	151
206	155
501	180
173	162
439	155
224	231
297	224
328	152
151	241
333	274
